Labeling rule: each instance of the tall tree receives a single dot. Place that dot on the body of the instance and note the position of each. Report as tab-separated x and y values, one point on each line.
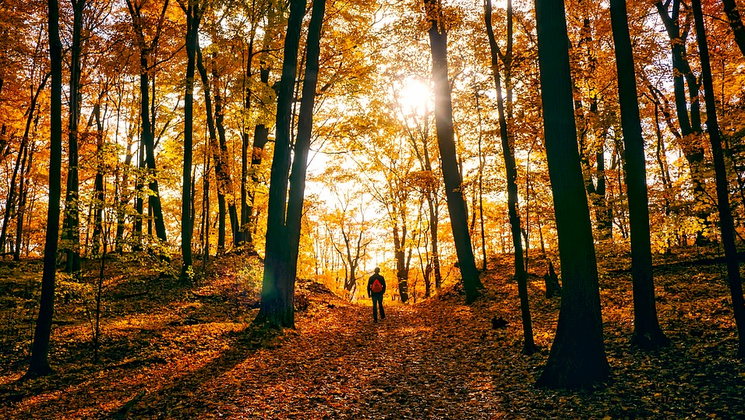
71	223
647	331
283	234
725	213
224	178
687	108
511	173
147	48
194	11
99	188
39	364
577	357
446	141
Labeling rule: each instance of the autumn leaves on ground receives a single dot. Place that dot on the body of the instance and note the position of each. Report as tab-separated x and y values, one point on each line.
174	351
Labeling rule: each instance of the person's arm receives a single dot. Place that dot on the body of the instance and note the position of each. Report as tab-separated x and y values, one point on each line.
385	286
369	287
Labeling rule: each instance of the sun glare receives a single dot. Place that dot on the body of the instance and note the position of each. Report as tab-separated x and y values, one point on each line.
413	96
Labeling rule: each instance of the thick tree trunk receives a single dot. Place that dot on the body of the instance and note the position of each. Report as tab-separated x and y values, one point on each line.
39	364
277	294
647	331
446	140
302	142
725	214
577	357
529	346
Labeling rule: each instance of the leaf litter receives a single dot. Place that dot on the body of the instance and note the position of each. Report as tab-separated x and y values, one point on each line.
184	352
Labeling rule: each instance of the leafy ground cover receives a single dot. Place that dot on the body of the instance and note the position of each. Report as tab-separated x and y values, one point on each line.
170	350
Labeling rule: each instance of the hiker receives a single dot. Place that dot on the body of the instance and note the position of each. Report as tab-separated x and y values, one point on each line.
375	290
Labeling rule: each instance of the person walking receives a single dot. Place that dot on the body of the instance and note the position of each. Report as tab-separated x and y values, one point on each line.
375	290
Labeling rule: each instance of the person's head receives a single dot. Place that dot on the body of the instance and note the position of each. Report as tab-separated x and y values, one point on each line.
377	270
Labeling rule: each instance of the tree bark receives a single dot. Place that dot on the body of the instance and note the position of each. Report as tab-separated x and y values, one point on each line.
577	357
225	180
277	296
446	140
735	22
98	203
71	223
193	16
690	125
39	364
147	134
529	346
647	331
216	150
27	163
725	214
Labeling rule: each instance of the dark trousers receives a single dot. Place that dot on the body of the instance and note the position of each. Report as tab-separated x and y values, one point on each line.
377	299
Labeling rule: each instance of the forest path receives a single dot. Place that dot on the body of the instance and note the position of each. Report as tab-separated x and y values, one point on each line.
422	361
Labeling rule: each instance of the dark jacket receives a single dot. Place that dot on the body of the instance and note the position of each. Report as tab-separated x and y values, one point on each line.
372	280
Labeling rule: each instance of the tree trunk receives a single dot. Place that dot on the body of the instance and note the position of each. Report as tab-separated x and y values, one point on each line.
193	16
216	152
71	224
39	364
26	164
277	294
647	331
224	179
446	140
735	22
399	254
577	357
98	200
725	214
147	134
529	346
690	126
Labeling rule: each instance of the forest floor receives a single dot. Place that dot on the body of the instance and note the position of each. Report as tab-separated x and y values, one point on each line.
174	351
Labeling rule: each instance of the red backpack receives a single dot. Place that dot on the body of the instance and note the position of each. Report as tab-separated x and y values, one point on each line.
377	286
